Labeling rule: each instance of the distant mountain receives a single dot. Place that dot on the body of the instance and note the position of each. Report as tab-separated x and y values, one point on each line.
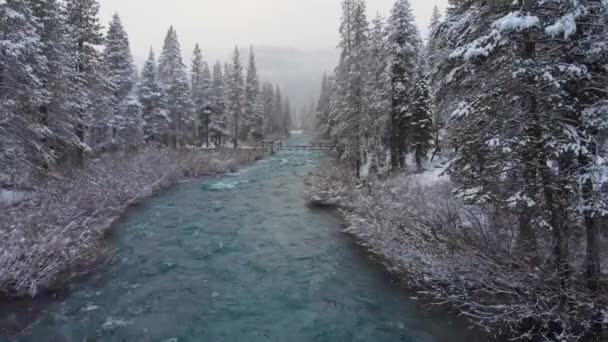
299	72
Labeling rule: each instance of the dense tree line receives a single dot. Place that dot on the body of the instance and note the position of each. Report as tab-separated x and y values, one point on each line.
513	95
68	87
376	105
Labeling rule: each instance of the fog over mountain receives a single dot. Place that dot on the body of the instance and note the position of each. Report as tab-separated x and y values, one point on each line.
295	40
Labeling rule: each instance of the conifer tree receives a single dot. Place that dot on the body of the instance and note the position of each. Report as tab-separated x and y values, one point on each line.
421	120
323	117
196	76
235	96
287	119
118	60
59	110
21	92
267	106
403	45
154	105
351	75
218	124
172	73
87	37
253	118
378	95
277	112
526	127
120	73
206	108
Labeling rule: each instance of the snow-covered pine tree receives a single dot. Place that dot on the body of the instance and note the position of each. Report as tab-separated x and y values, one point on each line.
229	118
128	123
87	37
276	117
196	76
206	109
529	111
66	98
198	89
287	119
435	20
170	58
235	95
253	118
180	108
154	103
118	60
267	106
218	124
172	73
421	123
403	47
351	75
120	72
21	94
580	31
433	59
378	96
323	118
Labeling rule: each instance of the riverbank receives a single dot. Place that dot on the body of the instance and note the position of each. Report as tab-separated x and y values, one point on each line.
59	232
463	257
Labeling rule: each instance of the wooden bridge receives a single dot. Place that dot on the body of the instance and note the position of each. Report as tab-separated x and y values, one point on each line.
274	146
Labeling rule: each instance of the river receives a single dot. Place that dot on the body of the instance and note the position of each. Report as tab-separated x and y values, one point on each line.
237	258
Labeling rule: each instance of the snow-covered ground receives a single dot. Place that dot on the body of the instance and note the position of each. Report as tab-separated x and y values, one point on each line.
62	225
12	197
459	255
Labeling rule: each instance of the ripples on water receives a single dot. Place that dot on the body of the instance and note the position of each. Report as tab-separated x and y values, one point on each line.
237	258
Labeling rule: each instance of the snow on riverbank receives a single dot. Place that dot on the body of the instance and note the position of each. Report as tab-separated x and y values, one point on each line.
464	257
8	198
59	231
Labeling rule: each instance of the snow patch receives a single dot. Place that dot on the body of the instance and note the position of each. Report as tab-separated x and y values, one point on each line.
113	323
565	26
431	177
483	46
90	307
515	21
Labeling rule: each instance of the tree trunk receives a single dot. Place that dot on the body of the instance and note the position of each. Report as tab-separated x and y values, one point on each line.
592	259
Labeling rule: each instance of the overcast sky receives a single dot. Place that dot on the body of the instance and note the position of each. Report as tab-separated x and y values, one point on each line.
220	24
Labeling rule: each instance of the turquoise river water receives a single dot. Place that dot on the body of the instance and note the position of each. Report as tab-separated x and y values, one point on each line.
236	258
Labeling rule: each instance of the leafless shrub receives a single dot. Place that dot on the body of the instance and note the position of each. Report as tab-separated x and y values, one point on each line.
47	239
463	257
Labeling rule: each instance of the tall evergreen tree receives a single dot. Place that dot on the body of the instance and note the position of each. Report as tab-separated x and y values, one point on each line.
421	120
253	117
198	86
287	119
267	106
154	104
198	89
218	125
21	92
120	72
119	61
351	75
403	45
323	117
87	37
172	73
276	117
378	95
66	98
235	95
527	77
